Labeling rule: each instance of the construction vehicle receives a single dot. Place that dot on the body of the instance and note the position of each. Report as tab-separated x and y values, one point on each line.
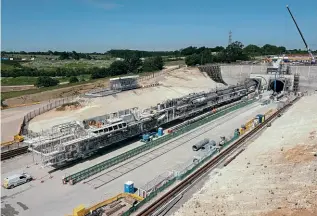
18	138
313	60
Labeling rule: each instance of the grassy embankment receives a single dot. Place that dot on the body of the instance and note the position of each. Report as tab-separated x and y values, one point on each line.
7	81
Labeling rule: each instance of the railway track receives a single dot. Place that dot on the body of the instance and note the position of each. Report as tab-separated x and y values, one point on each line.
168	147
14	152
177	190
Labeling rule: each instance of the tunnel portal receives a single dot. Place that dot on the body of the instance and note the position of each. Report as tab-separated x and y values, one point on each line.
280	85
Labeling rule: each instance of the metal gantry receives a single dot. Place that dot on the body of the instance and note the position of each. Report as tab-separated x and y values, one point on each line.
74	140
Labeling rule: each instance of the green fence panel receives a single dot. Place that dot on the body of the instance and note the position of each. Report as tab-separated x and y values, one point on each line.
86	173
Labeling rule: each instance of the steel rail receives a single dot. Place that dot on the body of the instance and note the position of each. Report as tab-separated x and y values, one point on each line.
177	189
14	152
207	128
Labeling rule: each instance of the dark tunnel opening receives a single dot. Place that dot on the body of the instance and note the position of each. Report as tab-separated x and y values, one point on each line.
257	82
279	86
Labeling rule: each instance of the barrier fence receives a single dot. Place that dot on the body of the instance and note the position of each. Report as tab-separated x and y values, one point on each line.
36	112
86	173
156	74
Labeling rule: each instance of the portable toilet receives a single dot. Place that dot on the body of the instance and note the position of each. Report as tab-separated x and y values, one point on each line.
260	117
129	187
160	132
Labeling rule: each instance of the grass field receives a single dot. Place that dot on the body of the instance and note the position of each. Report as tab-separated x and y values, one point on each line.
10	81
49	64
12	94
177	62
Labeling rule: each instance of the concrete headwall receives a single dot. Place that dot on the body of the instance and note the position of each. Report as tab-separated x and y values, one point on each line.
232	74
308	77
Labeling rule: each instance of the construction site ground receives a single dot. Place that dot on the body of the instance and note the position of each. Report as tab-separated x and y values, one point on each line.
54	198
173	84
11	120
276	175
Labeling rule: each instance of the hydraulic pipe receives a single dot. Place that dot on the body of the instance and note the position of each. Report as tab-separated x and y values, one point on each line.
200	144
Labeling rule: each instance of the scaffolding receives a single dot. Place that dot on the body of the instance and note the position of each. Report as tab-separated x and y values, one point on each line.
296	83
74	140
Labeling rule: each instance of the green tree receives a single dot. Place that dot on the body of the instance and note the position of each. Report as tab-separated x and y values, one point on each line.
158	62
133	63
269	49
45	81
73	79
118	68
234	52
63	56
75	55
252	50
153	64
193	60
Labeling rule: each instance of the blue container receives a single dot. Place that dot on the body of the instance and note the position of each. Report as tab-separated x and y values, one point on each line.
146	137
160	132
129	187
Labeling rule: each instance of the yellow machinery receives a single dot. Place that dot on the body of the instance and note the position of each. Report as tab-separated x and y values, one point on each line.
269	113
18	138
82	211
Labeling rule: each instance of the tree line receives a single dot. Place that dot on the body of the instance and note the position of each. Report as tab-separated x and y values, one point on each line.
231	53
129	65
251	49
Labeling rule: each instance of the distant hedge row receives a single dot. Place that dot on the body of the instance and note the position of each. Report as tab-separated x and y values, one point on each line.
34	72
130	65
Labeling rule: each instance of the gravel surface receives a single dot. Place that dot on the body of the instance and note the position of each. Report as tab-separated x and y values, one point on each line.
276	175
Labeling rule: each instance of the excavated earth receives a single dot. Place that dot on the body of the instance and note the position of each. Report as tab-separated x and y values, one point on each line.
276	175
173	84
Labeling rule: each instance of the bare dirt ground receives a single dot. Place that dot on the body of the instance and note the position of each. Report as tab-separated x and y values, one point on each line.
173	84
276	175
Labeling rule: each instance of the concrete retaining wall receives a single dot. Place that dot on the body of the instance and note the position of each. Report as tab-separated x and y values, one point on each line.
232	74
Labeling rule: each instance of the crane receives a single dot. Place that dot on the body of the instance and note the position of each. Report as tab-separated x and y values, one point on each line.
313	61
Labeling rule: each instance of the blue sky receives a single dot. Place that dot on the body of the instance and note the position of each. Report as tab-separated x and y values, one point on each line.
100	25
